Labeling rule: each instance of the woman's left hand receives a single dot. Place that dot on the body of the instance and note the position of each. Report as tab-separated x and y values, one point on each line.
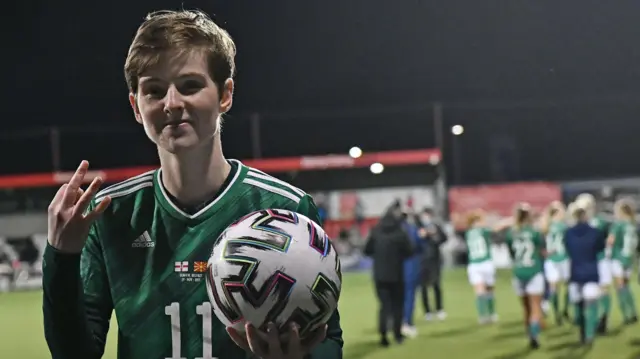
269	346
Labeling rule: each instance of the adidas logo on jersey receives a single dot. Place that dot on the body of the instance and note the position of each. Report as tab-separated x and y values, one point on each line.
144	241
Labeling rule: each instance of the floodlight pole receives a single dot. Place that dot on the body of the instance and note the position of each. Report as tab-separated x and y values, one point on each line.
441	182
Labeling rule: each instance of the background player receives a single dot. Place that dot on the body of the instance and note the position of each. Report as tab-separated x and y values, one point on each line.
140	258
587	202
526	247
583	243
389	245
481	270
411	272
556	266
623	241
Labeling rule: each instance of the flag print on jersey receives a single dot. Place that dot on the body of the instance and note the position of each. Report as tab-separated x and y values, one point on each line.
199	267
182	267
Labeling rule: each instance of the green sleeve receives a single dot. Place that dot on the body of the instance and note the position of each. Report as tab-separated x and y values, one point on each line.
488	235
539	241
77	303
308	207
616	228
331	347
508	238
606	226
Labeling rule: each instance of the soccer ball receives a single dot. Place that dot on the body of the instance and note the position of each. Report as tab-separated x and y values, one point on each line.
274	266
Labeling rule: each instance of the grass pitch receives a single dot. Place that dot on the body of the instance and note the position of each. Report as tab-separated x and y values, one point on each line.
459	336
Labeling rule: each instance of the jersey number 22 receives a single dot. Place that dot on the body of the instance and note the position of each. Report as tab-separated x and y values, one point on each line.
524	253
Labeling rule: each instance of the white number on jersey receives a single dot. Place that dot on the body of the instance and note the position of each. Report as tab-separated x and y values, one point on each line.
555	243
477	247
629	241
204	309
524	253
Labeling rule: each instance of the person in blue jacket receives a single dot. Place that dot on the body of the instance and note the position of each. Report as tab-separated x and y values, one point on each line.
583	243
412	272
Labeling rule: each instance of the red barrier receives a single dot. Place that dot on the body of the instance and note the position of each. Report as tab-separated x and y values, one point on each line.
272	165
499	200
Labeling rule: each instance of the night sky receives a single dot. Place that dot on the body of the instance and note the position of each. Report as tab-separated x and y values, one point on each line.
545	89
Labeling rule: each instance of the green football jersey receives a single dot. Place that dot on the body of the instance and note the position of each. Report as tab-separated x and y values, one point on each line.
146	258
526	245
478	245
625	243
601	224
555	242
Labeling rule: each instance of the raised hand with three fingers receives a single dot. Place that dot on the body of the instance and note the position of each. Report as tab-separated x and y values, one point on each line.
68	224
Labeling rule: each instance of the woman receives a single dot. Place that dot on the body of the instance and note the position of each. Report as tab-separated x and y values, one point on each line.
623	243
481	270
389	246
583	243
431	266
411	276
587	202
114	249
526	247
556	266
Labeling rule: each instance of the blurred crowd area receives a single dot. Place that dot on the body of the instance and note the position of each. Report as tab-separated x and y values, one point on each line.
349	215
21	262
350	202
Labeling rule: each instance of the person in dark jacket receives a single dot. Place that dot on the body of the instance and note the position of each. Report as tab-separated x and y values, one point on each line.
431	266
583	243
389	245
411	278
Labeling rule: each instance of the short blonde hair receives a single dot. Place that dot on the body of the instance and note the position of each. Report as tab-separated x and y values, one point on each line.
180	33
586	201
627	208
475	216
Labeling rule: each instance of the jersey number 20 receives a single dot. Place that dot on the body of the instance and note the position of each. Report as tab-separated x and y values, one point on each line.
204	309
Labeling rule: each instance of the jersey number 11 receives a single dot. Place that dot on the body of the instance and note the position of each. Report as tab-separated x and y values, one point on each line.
204	309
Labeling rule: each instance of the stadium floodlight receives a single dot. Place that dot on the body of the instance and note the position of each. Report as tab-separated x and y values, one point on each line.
457	130
376	168
355	152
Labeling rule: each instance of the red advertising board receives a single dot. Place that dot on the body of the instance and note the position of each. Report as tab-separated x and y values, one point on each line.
499	200
270	165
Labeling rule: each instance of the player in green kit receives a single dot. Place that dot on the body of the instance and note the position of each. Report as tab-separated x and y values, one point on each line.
139	248
526	246
481	270
623	241
556	266
588	202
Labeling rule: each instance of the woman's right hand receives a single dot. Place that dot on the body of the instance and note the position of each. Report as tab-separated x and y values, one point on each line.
68	224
